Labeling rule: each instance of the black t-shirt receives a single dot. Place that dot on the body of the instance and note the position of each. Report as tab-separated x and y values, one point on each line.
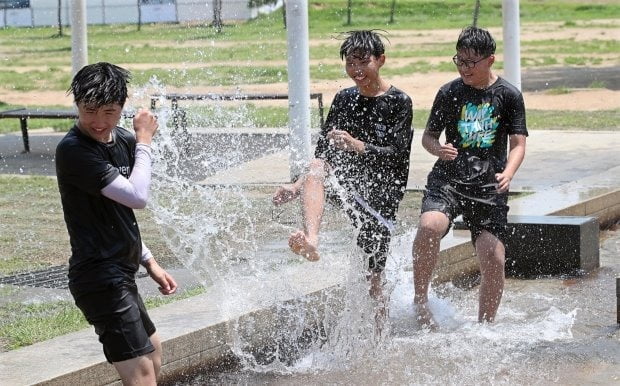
383	123
104	235
477	123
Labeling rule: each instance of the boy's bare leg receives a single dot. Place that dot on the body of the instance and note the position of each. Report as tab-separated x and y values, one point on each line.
156	355
305	243
491	252
376	280
432	227
142	370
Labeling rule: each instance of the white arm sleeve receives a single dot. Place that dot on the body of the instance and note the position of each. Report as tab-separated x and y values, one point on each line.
133	192
146	254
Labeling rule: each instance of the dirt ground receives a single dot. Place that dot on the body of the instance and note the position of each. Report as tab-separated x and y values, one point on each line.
422	86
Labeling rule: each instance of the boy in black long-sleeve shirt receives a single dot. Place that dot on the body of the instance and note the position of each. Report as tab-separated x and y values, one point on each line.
361	160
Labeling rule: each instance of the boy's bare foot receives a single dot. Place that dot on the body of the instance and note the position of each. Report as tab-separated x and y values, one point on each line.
424	316
302	246
381	318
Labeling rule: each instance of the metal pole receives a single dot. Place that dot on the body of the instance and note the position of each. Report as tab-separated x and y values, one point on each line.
298	85
618	299
512	44
79	46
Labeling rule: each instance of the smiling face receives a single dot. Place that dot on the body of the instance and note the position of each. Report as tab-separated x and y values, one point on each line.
98	122
475	69
364	70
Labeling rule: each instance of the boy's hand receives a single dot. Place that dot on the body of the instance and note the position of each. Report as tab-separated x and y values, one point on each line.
503	182
284	194
447	152
167	285
145	125
344	141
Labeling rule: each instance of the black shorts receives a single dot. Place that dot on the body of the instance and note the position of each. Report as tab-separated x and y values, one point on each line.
120	319
486	211
374	228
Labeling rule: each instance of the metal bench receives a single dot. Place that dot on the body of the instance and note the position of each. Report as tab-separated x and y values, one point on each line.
179	115
24	114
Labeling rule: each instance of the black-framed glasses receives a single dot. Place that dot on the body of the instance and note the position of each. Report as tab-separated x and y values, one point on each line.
467	63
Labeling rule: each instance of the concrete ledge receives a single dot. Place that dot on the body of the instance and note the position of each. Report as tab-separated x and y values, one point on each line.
195	332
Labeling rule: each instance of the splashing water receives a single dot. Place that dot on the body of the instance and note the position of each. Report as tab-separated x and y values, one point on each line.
232	238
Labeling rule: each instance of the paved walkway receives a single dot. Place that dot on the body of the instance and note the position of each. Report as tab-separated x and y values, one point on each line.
552	158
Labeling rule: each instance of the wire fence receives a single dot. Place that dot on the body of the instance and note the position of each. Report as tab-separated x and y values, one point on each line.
50	13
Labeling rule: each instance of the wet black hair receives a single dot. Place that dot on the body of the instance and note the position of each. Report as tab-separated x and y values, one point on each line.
100	84
362	43
476	39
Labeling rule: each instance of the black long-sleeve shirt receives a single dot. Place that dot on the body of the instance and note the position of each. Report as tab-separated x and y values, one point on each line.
383	123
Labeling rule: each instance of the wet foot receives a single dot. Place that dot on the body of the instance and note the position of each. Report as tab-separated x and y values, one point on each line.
381	318
424	316
303	246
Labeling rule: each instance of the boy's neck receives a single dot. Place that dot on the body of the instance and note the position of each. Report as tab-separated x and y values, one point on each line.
487	83
375	89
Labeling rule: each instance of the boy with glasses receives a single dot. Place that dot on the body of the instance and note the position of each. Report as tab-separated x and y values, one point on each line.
482	115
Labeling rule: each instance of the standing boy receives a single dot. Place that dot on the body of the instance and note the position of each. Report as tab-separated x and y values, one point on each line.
362	158
482	115
104	172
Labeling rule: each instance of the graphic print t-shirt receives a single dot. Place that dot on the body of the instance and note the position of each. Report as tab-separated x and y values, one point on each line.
104	235
383	123
477	123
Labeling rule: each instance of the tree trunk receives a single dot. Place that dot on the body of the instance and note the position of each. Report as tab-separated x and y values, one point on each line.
59	18
217	15
392	9
349	12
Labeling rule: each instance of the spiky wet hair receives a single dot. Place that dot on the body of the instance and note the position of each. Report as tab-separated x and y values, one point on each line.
100	84
476	39
362	43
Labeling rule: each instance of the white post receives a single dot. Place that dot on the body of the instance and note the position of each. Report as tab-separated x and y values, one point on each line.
298	85
79	47
512	44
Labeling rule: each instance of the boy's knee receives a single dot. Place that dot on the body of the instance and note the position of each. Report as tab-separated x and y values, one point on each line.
433	224
317	168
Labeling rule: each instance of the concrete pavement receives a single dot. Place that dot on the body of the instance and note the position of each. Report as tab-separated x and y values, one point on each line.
553	157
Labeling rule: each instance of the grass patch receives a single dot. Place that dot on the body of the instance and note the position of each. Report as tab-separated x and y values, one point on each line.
264	39
13	124
577	120
598	84
33	231
559	91
25	324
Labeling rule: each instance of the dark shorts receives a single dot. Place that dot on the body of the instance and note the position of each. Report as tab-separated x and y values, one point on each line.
480	212
120	319
374	228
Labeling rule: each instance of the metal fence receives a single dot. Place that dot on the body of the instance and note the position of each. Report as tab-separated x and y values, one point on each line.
46	12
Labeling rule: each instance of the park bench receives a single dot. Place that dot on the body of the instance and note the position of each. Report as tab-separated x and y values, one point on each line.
178	114
23	114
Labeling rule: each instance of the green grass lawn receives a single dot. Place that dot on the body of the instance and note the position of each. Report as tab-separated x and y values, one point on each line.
37	60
